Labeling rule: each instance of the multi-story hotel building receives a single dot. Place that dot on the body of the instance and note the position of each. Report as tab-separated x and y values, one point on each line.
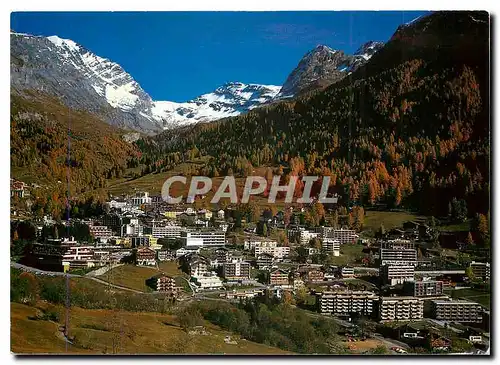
146	256
341	235
166	231
236	270
100	231
78	257
279	278
398	256
276	252
331	246
424	288
251	244
481	269
265	260
164	284
397	274
344	303
400	308
398	244
456	310
203	238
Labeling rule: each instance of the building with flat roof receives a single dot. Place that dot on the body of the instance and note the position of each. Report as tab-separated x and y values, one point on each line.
342	235
400	308
457	310
423	288
203	238
398	256
205	282
79	257
250	244
345	303
277	252
99	232
347	272
236	270
166	231
481	270
397	274
397	244
331	246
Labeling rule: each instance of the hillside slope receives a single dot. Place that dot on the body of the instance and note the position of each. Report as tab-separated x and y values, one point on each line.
409	129
51	143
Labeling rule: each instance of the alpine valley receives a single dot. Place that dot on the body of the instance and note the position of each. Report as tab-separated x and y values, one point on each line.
398	133
393	124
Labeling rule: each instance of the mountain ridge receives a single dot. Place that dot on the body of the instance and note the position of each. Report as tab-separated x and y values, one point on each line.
323	66
84	80
59	67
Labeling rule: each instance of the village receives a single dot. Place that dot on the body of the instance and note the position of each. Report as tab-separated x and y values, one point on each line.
394	285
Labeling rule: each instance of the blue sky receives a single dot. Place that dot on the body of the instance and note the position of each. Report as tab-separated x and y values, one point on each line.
180	55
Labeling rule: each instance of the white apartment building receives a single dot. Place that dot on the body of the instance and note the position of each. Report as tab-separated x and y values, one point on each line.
236	270
203	238
78	257
400	308
398	256
207	282
342	235
115	204
481	270
100	232
397	244
184	251
276	252
344	303
347	272
140	199
132	229
397	274
331	246
166	231
251	244
304	236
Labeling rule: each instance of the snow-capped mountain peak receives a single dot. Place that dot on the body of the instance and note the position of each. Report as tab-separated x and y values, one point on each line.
84	80
368	49
230	99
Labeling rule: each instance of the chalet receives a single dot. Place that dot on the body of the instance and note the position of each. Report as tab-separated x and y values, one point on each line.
17	188
163	283
146	256
265	260
279	278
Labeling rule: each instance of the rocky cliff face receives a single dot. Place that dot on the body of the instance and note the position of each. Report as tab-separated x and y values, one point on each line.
81	79
323	66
